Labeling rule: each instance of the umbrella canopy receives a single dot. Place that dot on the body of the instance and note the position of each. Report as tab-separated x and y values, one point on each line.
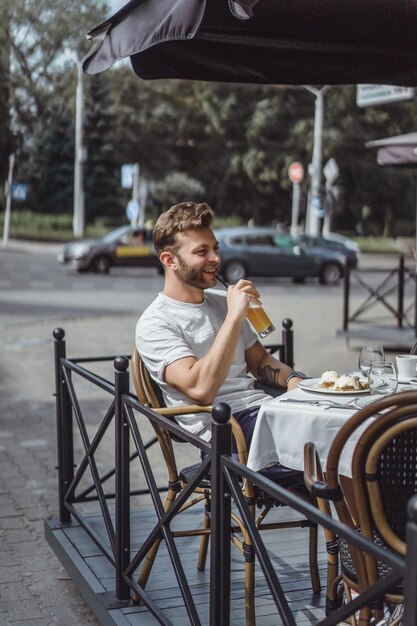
266	41
400	150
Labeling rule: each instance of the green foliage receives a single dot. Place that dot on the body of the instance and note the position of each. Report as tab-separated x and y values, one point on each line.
43	226
52	181
101	169
228	144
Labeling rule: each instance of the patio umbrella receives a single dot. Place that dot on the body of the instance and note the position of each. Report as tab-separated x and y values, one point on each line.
399	151
266	41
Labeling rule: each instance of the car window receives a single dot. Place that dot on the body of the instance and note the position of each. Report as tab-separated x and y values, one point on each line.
259	240
283	242
114	235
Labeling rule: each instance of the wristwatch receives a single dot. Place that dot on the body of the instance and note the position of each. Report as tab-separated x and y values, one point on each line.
295	374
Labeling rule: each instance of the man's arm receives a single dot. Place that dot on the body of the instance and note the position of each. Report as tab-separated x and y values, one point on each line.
201	379
267	369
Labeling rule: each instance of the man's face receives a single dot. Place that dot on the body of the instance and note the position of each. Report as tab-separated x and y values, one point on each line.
198	257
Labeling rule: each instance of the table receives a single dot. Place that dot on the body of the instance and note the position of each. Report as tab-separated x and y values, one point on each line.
282	429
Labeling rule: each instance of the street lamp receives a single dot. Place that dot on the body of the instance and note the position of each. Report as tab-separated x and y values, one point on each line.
314	208
78	216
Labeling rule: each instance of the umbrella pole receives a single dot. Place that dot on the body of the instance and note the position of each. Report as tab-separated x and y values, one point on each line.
415	275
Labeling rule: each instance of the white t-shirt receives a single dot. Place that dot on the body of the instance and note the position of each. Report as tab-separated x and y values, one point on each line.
170	330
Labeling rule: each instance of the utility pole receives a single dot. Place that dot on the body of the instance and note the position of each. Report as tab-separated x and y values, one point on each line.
314	208
78	215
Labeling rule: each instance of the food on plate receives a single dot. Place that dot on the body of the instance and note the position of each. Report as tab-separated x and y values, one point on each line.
332	381
328	379
347	383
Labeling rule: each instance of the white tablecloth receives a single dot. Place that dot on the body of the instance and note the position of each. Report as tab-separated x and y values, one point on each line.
282	429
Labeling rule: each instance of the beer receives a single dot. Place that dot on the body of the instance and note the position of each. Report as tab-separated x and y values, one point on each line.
259	320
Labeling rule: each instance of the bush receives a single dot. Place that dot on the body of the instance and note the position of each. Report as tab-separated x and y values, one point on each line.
47	227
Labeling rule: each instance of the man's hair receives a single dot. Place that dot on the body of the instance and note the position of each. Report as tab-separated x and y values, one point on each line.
178	219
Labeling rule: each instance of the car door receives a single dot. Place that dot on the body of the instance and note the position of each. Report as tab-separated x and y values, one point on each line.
292	259
135	249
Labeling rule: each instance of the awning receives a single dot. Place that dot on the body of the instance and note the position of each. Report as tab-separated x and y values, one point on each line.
283	42
400	150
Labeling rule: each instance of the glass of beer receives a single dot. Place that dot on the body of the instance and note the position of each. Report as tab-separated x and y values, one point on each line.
256	315
259	320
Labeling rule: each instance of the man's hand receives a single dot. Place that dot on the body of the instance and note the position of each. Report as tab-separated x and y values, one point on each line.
239	296
293	383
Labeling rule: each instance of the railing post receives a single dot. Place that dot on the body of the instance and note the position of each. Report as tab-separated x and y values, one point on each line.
346	294
65	447
400	297
122	478
220	519
288	341
410	596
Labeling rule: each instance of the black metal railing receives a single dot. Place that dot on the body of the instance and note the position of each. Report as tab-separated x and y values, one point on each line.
225	476
388	294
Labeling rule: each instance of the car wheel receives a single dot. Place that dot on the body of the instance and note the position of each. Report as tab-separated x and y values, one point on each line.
101	264
330	273
234	271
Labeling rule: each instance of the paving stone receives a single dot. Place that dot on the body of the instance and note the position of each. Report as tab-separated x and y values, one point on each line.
9	575
25	609
7	523
16	592
8	558
18	535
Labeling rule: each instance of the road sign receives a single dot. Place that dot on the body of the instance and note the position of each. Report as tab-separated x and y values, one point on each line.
133	211
368	95
127	175
19	191
331	171
296	172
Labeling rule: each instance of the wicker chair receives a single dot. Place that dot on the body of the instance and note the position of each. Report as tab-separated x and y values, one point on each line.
149	394
384	477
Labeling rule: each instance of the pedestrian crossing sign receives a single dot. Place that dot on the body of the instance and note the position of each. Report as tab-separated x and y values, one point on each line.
19	191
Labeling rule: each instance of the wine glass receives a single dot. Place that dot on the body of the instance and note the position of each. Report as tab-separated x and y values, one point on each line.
382	379
367	356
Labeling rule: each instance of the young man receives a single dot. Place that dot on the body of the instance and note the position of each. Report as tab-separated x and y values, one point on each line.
198	346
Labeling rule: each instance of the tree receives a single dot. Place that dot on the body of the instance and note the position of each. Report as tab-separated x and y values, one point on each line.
53	178
38	33
101	169
6	142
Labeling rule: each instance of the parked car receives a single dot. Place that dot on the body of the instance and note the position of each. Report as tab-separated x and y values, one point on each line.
265	252
125	246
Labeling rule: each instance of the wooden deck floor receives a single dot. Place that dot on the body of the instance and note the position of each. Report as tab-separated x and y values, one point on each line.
94	576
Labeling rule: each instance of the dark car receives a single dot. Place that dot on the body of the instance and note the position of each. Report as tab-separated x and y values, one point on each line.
126	246
265	252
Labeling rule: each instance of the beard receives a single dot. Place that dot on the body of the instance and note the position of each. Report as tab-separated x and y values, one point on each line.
191	275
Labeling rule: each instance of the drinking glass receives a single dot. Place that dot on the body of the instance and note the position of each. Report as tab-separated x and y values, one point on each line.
260	320
382	379
367	356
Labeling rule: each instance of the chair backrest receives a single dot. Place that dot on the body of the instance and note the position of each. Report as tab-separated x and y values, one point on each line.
384	476
149	395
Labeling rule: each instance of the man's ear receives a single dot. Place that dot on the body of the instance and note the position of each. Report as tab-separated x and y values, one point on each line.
168	259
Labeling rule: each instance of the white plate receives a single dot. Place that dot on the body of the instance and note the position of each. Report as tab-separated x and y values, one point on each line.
312	384
362	402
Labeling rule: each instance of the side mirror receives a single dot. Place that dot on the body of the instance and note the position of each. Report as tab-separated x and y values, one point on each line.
297	250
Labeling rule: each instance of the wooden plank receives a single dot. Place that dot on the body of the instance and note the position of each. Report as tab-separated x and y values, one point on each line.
288	549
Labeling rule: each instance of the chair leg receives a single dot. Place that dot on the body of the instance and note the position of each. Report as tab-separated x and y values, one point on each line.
314	567
249	555
204	541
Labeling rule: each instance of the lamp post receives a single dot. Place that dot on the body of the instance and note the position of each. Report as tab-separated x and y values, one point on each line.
314	207
78	216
